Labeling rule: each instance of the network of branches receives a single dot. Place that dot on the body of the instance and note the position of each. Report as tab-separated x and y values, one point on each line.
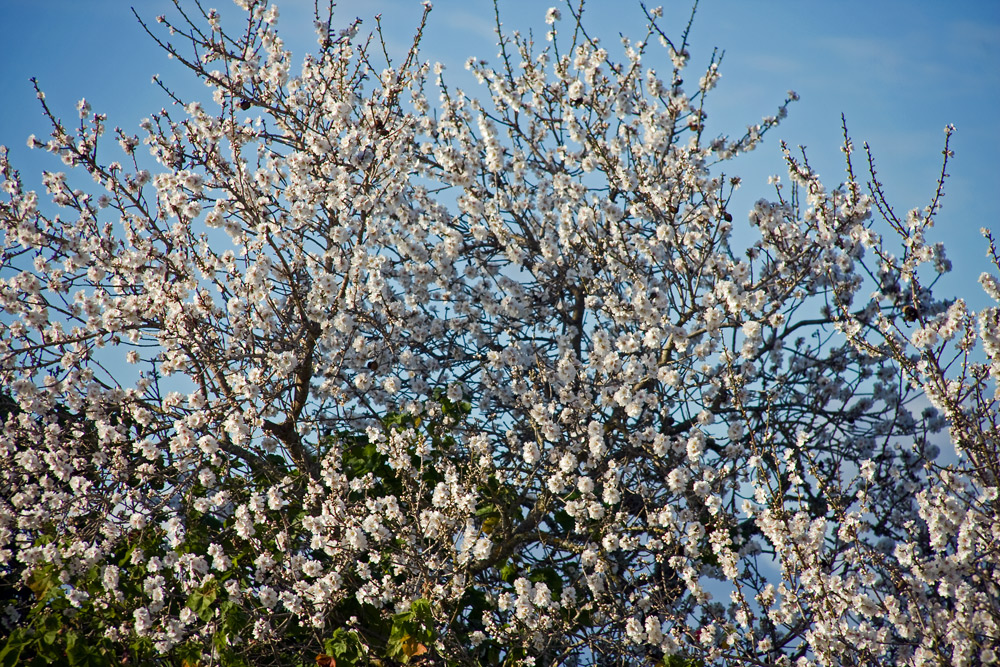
346	365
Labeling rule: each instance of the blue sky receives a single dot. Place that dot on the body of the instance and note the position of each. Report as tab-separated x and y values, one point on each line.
899	70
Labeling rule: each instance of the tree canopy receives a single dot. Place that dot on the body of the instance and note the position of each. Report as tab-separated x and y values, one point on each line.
348	366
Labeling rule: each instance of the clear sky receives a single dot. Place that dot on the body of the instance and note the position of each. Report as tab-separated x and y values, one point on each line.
899	69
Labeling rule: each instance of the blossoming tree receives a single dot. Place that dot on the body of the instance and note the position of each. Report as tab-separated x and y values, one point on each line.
365	369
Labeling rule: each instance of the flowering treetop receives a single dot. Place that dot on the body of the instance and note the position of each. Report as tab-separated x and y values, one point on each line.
480	377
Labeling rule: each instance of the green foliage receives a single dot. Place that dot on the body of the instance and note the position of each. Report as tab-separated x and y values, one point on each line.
680	661
51	643
202	601
410	634
54	632
345	647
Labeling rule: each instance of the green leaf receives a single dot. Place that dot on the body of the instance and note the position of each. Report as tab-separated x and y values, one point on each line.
410	635
679	661
345	647
78	653
202	602
509	572
487	511
565	521
42	580
10	654
421	609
